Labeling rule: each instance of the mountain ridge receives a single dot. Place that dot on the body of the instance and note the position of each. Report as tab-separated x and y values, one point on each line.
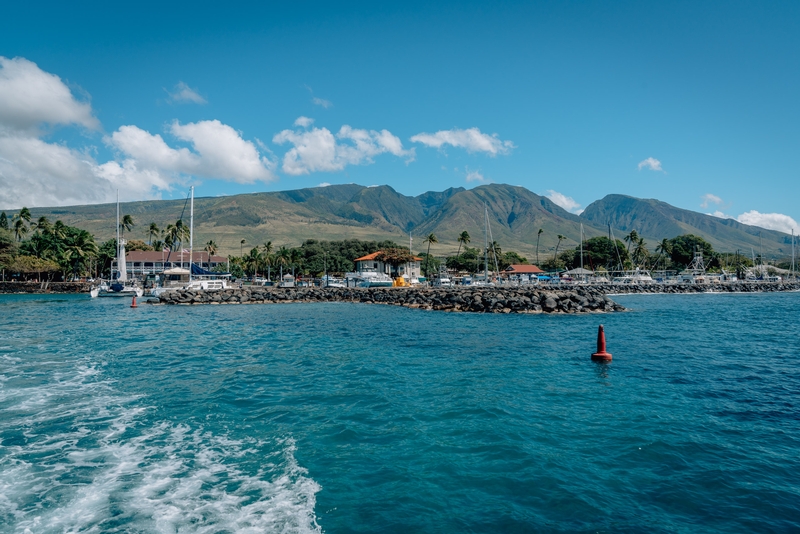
351	211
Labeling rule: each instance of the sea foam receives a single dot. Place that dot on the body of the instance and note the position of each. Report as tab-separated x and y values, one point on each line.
80	456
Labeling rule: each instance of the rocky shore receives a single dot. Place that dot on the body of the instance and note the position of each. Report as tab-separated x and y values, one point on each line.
44	287
729	287
479	300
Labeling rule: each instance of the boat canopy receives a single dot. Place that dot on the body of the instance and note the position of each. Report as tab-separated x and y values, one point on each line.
580	272
199	271
176	270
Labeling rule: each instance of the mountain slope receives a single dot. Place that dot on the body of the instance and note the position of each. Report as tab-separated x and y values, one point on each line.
515	217
351	211
655	220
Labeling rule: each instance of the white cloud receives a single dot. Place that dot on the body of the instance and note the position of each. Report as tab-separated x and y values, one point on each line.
223	152
318	149
770	221
720	214
30	97
324	184
303	122
471	139
36	172
219	152
568	203
182	93
651	163
475	176
709	199
322	102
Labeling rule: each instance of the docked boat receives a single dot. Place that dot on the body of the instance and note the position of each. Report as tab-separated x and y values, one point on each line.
116	289
119	285
330	281
369	279
195	278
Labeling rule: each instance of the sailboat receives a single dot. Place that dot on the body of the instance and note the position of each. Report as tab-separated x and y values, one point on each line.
119	285
196	278
487	237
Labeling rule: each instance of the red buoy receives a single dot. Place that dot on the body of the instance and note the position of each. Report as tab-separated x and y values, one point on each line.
601	353
133	305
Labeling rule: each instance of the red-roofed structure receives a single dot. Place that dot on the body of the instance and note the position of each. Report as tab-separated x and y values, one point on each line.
523	269
144	262
371	263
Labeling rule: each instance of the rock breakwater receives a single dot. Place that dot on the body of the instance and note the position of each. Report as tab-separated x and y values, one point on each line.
476	300
44	287
728	287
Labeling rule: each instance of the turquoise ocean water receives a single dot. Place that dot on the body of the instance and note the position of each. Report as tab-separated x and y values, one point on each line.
358	418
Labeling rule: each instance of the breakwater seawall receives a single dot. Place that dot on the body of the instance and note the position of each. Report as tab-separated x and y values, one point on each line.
44	287
478	300
727	287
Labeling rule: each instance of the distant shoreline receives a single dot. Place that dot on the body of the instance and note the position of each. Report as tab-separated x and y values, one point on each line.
21	288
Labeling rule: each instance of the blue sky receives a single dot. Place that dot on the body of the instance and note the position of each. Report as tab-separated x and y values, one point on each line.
693	103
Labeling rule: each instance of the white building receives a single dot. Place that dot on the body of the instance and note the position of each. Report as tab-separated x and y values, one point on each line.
370	263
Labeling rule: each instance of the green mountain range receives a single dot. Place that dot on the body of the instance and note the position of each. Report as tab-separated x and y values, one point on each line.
352	211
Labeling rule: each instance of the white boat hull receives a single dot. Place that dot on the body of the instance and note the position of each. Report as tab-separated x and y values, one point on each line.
127	292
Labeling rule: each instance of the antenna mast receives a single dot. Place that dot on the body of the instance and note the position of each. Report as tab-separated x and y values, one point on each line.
485	243
191	234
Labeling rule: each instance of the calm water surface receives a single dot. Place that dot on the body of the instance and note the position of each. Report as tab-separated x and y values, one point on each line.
358	418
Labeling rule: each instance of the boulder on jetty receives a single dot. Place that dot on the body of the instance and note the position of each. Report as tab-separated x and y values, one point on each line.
476	300
726	287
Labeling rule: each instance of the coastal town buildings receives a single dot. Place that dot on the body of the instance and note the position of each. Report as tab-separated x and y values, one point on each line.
370	263
141	263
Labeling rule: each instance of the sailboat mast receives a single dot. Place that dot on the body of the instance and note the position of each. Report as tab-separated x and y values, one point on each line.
485	243
411	253
191	233
793	253
118	266
581	249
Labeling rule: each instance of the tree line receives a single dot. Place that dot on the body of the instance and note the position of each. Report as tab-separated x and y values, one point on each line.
43	249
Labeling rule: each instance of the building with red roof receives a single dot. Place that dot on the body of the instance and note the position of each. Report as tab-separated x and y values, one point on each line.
143	262
371	263
523	269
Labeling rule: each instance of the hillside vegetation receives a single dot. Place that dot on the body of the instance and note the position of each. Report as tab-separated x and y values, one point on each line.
352	211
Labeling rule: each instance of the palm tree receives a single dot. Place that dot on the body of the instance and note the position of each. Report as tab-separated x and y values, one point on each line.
430	239
59	230
176	233
463	239
42	224
664	248
79	248
494	248
631	238
640	251
241	247
211	248
253	260
168	233
153	231
560	239
3	221
283	257
25	215
267	247
538	235
20	229
126	224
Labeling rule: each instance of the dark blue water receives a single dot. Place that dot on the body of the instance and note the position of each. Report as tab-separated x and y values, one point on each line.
359	418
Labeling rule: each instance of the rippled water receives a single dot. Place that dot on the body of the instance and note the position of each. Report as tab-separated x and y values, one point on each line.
358	418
